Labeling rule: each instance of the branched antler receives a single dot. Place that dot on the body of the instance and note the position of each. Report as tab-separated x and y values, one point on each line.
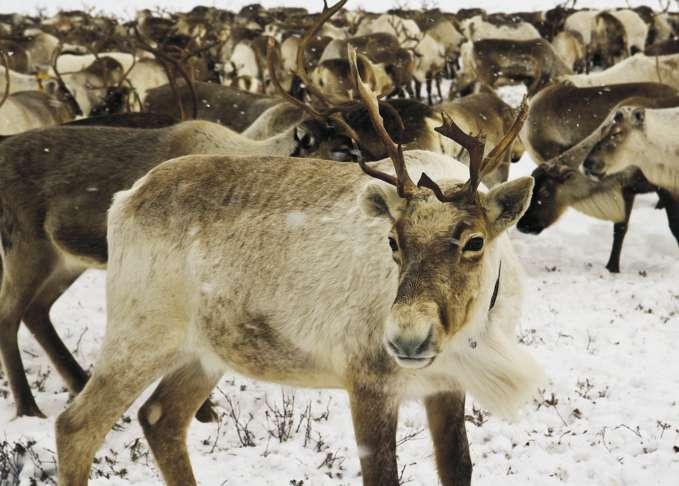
271	62
404	184
327	13
328	109
165	60
478	165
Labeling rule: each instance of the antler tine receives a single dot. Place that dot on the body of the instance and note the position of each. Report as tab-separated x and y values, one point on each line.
471	144
177	65
494	158
306	38
55	60
402	181
270	53
127	73
5	63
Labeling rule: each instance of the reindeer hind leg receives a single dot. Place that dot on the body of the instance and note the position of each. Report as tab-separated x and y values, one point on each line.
166	415
37	319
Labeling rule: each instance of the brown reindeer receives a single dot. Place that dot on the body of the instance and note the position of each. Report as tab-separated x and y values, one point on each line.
231	107
499	62
44	175
427	315
559	186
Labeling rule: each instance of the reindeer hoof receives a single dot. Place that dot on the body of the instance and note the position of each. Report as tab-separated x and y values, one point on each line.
613	268
206	413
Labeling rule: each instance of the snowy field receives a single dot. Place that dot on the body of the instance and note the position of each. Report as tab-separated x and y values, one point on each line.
608	416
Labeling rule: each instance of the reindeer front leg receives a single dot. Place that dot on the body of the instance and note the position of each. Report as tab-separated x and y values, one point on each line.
375	416
445	412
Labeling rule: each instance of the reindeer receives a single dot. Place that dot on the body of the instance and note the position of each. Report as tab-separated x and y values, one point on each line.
43	256
78	62
430	64
27	110
231	107
443	31
83	90
636	29
638	136
39	47
243	69
128	93
479	28
583	22
609	41
559	186
391	65
562	115
405	30
499	62
438	325
332	73
636	69
19	81
571	49
663	48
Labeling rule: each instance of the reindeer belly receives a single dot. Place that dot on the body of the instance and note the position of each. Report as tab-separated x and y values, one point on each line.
255	348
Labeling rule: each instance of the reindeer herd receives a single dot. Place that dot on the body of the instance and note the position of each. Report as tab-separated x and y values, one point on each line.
174	148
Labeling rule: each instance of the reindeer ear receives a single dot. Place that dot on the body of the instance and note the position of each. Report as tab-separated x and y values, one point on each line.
380	199
506	203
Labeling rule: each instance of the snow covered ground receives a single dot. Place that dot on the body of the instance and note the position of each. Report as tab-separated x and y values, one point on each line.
608	416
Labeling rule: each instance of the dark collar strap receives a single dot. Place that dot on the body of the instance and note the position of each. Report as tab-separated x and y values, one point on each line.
496	289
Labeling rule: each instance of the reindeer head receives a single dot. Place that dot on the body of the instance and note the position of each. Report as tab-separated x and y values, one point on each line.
550	197
621	142
442	239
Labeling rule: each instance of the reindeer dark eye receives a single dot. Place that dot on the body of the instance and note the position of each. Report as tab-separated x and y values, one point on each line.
474	244
392	244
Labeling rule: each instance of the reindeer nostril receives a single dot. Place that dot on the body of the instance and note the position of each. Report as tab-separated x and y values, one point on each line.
530	227
394	347
410	348
424	345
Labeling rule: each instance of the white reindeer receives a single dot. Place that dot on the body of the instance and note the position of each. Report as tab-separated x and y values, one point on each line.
210	271
642	137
